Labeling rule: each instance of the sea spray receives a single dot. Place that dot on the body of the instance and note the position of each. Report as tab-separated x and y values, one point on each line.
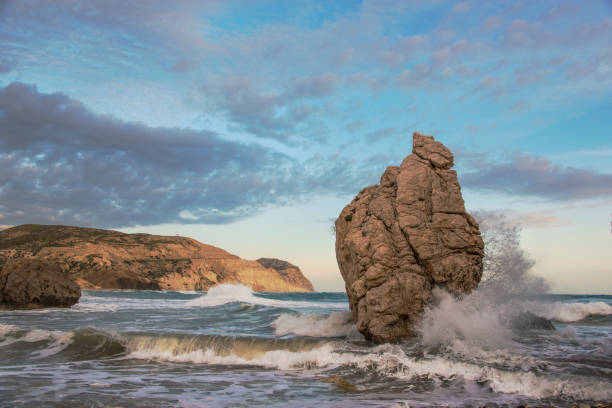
475	319
507	268
337	324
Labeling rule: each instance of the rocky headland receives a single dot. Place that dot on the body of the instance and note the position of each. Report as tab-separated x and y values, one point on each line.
399	239
106	259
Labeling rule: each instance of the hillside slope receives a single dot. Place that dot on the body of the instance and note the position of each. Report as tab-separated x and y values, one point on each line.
107	259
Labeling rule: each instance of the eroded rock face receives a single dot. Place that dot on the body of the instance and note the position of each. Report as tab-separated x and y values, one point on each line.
397	240
33	283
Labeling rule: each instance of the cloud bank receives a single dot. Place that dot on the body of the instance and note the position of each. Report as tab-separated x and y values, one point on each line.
528	175
61	163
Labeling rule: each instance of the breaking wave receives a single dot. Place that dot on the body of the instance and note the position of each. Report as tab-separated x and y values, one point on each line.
569	312
230	293
225	350
307	353
474	320
387	360
222	294
112	301
54	341
504	381
337	324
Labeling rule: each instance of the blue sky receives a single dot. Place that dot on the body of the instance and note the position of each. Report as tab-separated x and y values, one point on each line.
249	125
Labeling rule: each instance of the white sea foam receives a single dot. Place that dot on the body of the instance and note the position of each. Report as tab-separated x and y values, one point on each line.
222	294
394	362
59	340
473	320
508	382
568	312
6	329
86	305
323	356
389	360
228	293
336	324
511	358
216	296
89	303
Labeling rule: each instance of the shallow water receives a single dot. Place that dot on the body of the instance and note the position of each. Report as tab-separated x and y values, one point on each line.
231	347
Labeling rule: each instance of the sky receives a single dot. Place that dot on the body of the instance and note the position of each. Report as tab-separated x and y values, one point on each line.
249	125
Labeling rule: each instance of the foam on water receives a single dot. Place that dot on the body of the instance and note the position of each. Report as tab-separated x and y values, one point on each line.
229	293
322	356
216	296
5	330
337	324
59	341
387	360
505	381
222	294
89	303
55	340
569	312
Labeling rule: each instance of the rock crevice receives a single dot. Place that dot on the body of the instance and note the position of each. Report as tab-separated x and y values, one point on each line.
397	240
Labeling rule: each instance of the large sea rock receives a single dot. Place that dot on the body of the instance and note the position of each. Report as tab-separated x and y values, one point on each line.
397	240
33	283
106	259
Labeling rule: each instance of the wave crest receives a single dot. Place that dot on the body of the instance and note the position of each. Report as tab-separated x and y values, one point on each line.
569	312
54	341
230	293
336	324
393	361
386	360
222	294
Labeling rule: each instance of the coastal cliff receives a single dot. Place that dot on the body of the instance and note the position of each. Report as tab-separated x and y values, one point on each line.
106	259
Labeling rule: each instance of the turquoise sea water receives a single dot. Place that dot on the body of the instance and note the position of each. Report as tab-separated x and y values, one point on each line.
231	347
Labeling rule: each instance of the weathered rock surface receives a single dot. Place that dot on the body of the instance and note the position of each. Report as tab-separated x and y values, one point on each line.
397	240
33	283
104	259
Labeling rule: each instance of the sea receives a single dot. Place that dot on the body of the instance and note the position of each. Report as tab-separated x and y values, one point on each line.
232	347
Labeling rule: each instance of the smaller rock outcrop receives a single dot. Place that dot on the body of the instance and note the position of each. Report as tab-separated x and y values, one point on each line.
398	240
288	271
33	284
